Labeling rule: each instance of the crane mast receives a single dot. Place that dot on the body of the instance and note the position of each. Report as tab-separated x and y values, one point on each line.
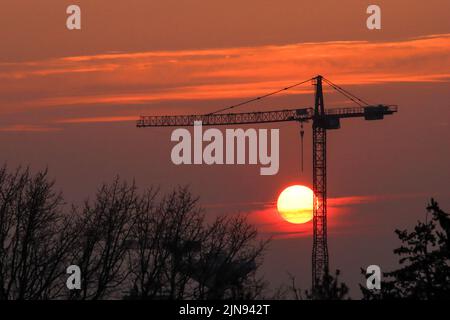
320	246
322	120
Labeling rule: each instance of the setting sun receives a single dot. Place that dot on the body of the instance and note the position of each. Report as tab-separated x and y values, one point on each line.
295	204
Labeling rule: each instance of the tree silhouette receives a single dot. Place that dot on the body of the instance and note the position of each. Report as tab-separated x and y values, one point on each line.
128	244
329	289
425	261
177	255
228	260
35	236
103	232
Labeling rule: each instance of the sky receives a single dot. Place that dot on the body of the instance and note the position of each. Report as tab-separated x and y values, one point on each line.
69	101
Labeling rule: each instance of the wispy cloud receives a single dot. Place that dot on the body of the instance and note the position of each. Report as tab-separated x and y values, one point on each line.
27	128
99	119
265	217
144	78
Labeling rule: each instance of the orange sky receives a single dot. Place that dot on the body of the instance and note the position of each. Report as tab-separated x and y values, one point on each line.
145	78
68	99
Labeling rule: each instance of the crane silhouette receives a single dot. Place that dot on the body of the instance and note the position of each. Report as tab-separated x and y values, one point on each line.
322	120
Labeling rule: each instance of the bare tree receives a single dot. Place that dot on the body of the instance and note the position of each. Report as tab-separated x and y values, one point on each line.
148	257
178	256
330	288
123	241
35	236
167	235
104	230
230	256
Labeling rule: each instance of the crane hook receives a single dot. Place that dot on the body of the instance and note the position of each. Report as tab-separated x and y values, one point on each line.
302	133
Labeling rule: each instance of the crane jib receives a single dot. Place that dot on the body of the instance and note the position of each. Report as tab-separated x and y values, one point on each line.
330	119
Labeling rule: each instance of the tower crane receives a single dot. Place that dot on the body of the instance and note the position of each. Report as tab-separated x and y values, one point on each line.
322	120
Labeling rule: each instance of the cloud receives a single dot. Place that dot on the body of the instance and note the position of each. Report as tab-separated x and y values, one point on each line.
99	119
27	128
269	223
353	200
117	81
266	218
